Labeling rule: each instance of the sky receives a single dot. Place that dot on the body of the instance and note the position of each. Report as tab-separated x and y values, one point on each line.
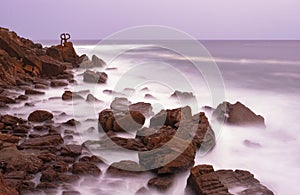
202	19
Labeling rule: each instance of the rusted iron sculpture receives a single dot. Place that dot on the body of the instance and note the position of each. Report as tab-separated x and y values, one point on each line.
64	37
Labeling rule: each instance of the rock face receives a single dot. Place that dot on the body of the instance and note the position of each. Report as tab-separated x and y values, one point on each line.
21	60
204	180
40	116
94	77
119	122
5	189
237	114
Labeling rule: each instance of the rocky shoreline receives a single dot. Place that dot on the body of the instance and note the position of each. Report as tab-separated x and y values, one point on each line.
35	154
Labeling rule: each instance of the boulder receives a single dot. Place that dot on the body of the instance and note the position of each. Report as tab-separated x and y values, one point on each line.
69	95
85	168
7	100
124	168
161	183
237	114
33	92
97	62
64	53
57	83
171	117
142	107
204	180
40	116
71	150
94	77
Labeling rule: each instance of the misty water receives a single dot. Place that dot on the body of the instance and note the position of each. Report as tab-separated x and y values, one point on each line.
263	75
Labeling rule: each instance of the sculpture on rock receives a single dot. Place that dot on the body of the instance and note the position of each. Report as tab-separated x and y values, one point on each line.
64	37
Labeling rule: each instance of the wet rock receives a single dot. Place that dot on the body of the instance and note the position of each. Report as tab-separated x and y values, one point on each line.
183	95
204	180
47	185
124	168
94	77
171	117
15	175
51	66
119	142
91	159
129	122
91	98
69	95
120	104
27	104
237	114
72	122
33	92
5	189
9	138
106	120
3	105
85	168
40	116
41	86
64	52
43	142
22	97
67	178
149	96
47	157
168	155
11	120
71	150
97	62
142	107
71	193
7	100
57	83
161	183
27	163
49	175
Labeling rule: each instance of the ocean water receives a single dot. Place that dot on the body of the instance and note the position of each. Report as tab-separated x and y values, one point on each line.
263	75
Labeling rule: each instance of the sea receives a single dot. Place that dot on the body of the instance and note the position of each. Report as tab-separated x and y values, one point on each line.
263	75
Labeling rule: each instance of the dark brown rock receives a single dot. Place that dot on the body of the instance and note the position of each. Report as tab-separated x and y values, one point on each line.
142	107
57	83
161	183
7	100
71	150
69	95
237	114
5	189
85	168
94	77
33	92
171	117
204	180
91	159
40	116
124	168
43	142
71	122
11	120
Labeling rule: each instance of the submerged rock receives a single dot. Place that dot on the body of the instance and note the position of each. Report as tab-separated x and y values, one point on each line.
124	168
237	114
204	180
40	116
94	77
69	95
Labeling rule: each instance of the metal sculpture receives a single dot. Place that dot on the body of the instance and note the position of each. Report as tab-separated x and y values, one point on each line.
64	37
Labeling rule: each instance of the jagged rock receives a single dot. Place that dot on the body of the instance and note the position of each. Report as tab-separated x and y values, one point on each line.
128	121
5	189
97	62
120	142
171	117
65	53
69	95
91	98
91	159
11	120
7	100
237	114
40	116
142	107
85	168
183	95
94	77
71	150
204	180
57	83
120	104
124	168
43	142
161	183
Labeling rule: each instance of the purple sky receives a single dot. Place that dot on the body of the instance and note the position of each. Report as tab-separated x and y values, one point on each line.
203	19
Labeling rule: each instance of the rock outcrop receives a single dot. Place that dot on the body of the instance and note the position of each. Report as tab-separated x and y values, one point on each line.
203	180
237	114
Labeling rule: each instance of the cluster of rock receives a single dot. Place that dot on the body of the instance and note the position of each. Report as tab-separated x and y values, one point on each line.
28	147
